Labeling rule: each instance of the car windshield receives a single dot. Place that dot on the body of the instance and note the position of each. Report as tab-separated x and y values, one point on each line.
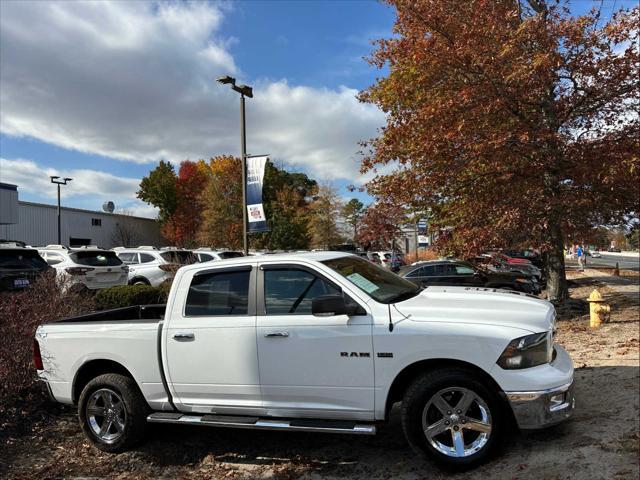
382	285
181	257
96	258
22	258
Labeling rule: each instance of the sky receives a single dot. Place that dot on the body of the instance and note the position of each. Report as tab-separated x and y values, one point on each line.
101	91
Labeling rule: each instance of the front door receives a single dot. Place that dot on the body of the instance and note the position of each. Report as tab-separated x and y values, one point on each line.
210	343
315	367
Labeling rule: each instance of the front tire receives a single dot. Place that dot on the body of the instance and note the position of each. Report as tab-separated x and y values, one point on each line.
451	417
112	412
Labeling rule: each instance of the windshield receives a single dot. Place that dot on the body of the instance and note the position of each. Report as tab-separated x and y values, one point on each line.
382	285
96	259
179	256
22	258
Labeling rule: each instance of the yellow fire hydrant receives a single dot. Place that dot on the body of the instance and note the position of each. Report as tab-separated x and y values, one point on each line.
598	309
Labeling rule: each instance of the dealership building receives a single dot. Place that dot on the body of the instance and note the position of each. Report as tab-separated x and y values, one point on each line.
37	224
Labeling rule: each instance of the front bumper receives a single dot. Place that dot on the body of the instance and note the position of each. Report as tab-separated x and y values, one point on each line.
543	408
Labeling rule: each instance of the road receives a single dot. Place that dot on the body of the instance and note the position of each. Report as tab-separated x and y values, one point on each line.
608	260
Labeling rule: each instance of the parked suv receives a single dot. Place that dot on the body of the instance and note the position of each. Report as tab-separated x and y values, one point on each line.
458	273
150	266
204	254
391	260
19	266
89	267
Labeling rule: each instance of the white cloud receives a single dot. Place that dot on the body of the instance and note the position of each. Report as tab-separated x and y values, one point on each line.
34	179
135	81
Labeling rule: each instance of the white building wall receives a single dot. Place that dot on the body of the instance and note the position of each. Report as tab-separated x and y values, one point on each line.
8	203
38	225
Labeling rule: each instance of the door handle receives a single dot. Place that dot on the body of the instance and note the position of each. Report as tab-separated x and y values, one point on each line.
276	334
181	336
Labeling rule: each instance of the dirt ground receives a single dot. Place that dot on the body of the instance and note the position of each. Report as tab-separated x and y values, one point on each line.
602	441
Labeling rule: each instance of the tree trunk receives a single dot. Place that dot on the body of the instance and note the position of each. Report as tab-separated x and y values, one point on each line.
556	276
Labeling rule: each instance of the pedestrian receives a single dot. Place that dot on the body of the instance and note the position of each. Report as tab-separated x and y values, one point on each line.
580	255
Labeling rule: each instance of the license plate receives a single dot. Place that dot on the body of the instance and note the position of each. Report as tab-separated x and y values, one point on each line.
20	282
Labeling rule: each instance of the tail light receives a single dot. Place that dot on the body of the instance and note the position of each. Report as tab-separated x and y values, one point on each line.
385	260
37	358
78	270
169	267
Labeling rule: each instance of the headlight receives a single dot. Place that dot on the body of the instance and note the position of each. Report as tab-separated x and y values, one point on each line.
528	351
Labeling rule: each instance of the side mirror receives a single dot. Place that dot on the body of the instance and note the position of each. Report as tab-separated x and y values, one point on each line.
328	306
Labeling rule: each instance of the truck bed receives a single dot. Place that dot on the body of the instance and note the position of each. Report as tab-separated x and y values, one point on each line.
136	312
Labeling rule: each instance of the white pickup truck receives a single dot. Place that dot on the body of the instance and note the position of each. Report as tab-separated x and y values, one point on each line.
324	342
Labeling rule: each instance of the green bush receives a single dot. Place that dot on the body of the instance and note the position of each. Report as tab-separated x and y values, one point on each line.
128	295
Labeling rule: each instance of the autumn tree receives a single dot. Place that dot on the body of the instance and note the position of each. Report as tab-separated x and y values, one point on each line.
159	190
221	224
380	225
352	212
509	120
183	224
324	213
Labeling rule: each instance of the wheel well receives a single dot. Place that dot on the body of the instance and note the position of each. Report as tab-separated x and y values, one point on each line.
406	376
139	278
91	370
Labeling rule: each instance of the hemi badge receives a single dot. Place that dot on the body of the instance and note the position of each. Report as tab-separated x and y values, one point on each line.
385	355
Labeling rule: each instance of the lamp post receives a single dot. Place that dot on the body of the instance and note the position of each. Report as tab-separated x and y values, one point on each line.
244	91
56	179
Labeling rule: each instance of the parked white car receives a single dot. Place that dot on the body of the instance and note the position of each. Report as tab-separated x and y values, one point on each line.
208	254
91	267
321	342
150	266
391	260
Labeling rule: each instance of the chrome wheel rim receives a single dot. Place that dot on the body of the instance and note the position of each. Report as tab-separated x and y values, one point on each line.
106	415
457	422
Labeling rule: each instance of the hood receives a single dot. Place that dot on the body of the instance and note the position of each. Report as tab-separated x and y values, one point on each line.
480	305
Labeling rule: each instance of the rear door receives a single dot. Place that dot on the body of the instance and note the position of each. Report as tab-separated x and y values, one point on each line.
210	348
318	367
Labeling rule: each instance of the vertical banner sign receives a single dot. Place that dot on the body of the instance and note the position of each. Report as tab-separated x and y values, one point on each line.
255	211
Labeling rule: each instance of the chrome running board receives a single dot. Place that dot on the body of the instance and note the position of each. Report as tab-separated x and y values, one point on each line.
232	421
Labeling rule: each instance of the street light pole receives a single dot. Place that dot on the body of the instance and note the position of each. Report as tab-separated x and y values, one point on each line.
56	179
243	90
243	153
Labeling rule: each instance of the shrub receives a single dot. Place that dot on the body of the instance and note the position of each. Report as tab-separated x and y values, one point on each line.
20	314
128	295
422	256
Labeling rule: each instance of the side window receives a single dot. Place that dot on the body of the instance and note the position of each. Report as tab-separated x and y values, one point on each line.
218	293
463	270
128	258
291	291
418	272
205	257
146	258
429	271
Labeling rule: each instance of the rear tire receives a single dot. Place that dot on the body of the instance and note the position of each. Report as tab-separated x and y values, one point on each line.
113	412
453	418
140	281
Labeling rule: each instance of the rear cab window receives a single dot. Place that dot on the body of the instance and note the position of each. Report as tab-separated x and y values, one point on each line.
219	293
